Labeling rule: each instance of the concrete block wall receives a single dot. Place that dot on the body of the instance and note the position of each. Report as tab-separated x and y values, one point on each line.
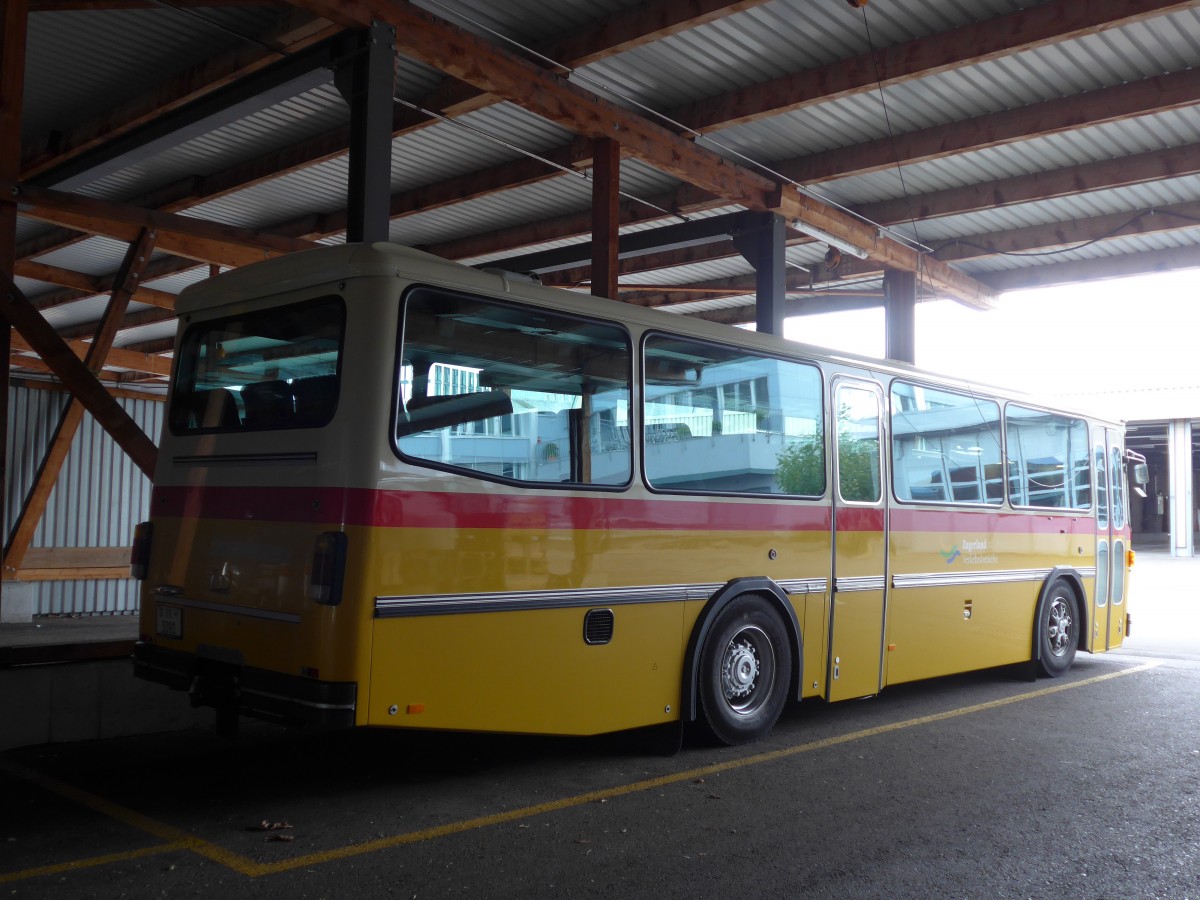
80	701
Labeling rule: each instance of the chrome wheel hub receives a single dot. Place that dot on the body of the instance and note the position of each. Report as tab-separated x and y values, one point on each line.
1059	630
747	670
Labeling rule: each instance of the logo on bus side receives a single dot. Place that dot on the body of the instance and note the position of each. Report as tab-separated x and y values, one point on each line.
969	551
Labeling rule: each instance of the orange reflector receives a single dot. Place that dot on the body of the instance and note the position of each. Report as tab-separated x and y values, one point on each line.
891	647
1130	556
413	708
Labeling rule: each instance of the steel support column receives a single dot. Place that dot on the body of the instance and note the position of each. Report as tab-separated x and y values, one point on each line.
1182	516
900	315
367	84
764	244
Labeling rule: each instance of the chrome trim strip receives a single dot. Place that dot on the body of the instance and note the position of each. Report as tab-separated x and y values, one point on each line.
804	585
445	604
941	579
247	459
860	583
1086	571
291	618
508	601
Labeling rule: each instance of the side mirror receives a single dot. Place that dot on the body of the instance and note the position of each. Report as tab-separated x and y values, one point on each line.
1141	473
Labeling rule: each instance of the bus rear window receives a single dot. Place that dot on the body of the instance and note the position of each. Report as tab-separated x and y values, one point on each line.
270	369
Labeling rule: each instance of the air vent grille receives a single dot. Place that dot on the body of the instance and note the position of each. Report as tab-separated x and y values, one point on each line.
598	626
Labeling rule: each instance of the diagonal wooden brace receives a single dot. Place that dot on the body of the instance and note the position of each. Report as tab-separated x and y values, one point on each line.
83	384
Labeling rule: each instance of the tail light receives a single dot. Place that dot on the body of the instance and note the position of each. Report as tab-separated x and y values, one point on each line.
139	558
328	568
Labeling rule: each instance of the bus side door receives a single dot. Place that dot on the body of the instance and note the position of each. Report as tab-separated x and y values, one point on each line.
859	542
1108	601
1118	515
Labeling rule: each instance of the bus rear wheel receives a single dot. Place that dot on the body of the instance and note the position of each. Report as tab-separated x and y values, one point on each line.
745	670
1058	631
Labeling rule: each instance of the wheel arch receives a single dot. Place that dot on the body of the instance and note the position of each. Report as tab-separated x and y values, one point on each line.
1074	581
730	591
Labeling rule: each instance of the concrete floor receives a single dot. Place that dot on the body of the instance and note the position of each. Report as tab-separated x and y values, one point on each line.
982	785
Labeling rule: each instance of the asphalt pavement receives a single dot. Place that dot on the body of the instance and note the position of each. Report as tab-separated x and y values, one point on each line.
980	785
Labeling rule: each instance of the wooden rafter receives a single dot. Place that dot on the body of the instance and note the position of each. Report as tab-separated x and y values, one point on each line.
1105	174
1029	240
1149	96
118	392
469	58
1038	238
615	34
118	357
1175	162
1026	29
89	285
131	320
1050	22
1142	263
60	443
198	239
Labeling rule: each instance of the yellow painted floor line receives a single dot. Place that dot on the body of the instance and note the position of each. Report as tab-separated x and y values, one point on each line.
176	838
180	840
91	862
622	790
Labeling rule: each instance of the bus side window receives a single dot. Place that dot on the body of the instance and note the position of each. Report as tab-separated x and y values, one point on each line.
945	446
722	420
1048	459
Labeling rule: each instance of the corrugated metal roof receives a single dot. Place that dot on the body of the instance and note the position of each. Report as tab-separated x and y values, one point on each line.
62	57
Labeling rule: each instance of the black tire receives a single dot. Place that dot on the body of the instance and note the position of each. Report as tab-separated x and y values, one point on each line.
745	670
1058	631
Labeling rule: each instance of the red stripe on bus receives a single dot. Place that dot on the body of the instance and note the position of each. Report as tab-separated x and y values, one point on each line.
956	521
427	509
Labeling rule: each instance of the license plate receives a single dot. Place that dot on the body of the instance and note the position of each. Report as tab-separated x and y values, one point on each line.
170	621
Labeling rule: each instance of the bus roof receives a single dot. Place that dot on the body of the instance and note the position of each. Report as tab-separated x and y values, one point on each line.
322	265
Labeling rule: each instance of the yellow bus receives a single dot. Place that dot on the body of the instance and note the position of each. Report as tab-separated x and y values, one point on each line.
394	491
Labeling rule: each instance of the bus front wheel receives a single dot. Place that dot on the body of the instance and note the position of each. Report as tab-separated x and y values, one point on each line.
745	670
1058	631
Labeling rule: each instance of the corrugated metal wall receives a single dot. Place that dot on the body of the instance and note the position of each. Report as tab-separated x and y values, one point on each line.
99	497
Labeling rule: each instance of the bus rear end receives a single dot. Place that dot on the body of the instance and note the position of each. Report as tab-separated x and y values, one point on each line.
245	600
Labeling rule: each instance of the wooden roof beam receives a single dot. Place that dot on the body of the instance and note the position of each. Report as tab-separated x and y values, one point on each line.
469	58
118	357
198	239
1039	26
1163	93
88	285
1105	174
617	33
1175	162
1073	17
1039	238
1145	262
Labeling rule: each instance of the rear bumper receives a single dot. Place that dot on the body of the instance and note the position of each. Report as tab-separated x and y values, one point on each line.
260	693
